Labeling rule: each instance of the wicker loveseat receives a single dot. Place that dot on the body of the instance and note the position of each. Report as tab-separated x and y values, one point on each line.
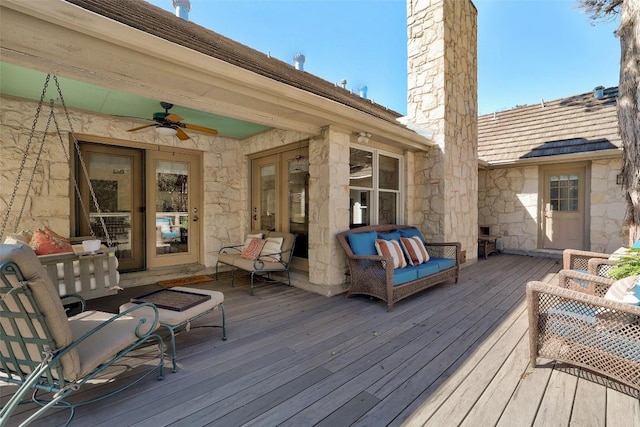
573	322
375	275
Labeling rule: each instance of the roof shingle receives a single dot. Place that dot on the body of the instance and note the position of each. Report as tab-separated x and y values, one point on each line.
581	123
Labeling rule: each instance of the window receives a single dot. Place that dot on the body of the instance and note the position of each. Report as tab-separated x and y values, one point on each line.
374	184
563	193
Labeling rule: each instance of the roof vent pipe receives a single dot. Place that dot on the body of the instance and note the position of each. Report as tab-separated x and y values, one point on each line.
598	92
363	92
343	83
182	8
298	61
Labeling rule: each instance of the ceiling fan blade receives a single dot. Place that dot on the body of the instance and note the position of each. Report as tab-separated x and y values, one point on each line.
182	136
141	127
173	117
201	129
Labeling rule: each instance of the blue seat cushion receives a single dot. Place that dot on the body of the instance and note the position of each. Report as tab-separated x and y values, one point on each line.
404	275
391	235
170	234
444	263
428	268
565	320
363	243
411	232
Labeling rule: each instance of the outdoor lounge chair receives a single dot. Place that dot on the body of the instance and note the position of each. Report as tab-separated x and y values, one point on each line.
44	351
572	322
270	260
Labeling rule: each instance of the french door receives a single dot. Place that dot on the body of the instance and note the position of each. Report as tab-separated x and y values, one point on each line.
149	201
280	198
174	210
116	176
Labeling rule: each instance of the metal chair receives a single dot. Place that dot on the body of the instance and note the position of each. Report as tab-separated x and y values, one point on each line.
44	351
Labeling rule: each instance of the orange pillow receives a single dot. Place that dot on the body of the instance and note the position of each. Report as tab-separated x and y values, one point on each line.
253	249
47	242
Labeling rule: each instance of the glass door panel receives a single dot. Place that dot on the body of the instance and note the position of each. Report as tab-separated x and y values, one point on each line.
264	204
173	209
298	206
116	180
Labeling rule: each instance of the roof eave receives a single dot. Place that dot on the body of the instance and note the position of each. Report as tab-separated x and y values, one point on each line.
563	158
186	77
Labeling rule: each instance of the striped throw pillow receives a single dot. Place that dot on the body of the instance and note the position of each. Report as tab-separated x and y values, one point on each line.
391	248
415	250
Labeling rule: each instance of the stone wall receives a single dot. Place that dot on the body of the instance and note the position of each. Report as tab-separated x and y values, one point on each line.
442	97
225	170
508	203
608	206
329	214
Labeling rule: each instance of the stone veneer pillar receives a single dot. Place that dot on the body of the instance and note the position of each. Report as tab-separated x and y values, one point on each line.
442	97
329	211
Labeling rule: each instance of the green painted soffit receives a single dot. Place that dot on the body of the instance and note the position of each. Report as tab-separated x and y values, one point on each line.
25	83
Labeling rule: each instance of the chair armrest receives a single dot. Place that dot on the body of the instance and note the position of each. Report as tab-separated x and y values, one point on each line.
584	283
444	250
230	248
82	301
535	288
574	259
601	266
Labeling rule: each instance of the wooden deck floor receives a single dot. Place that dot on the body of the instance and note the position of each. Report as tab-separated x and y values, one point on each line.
456	354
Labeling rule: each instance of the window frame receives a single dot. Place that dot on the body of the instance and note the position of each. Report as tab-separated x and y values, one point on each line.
375	191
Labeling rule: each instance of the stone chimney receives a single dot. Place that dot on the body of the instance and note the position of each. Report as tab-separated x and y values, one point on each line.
182	8
442	97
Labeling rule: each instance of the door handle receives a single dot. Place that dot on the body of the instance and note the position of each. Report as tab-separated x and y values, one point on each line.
194	218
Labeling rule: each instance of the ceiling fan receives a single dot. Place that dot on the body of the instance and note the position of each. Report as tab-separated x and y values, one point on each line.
171	124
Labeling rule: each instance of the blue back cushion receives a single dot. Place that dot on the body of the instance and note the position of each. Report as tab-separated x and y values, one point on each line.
391	235
411	232
363	243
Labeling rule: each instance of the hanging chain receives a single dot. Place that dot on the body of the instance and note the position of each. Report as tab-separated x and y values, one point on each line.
35	165
75	182
24	160
84	169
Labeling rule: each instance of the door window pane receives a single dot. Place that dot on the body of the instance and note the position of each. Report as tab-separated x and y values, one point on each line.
299	204
267	184
563	193
172	207
110	177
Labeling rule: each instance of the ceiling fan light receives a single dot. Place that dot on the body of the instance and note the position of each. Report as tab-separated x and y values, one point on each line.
166	131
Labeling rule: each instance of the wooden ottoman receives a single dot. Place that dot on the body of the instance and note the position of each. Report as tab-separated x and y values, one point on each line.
179	306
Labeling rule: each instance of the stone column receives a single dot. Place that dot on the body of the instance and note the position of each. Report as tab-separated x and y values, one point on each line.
442	97
329	212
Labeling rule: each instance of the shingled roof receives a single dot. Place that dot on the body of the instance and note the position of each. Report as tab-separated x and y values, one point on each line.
153	20
578	124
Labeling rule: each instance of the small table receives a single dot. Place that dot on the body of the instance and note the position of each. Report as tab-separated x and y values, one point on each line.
172	319
487	245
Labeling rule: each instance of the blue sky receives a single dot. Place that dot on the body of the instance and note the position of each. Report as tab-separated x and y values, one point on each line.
528	50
